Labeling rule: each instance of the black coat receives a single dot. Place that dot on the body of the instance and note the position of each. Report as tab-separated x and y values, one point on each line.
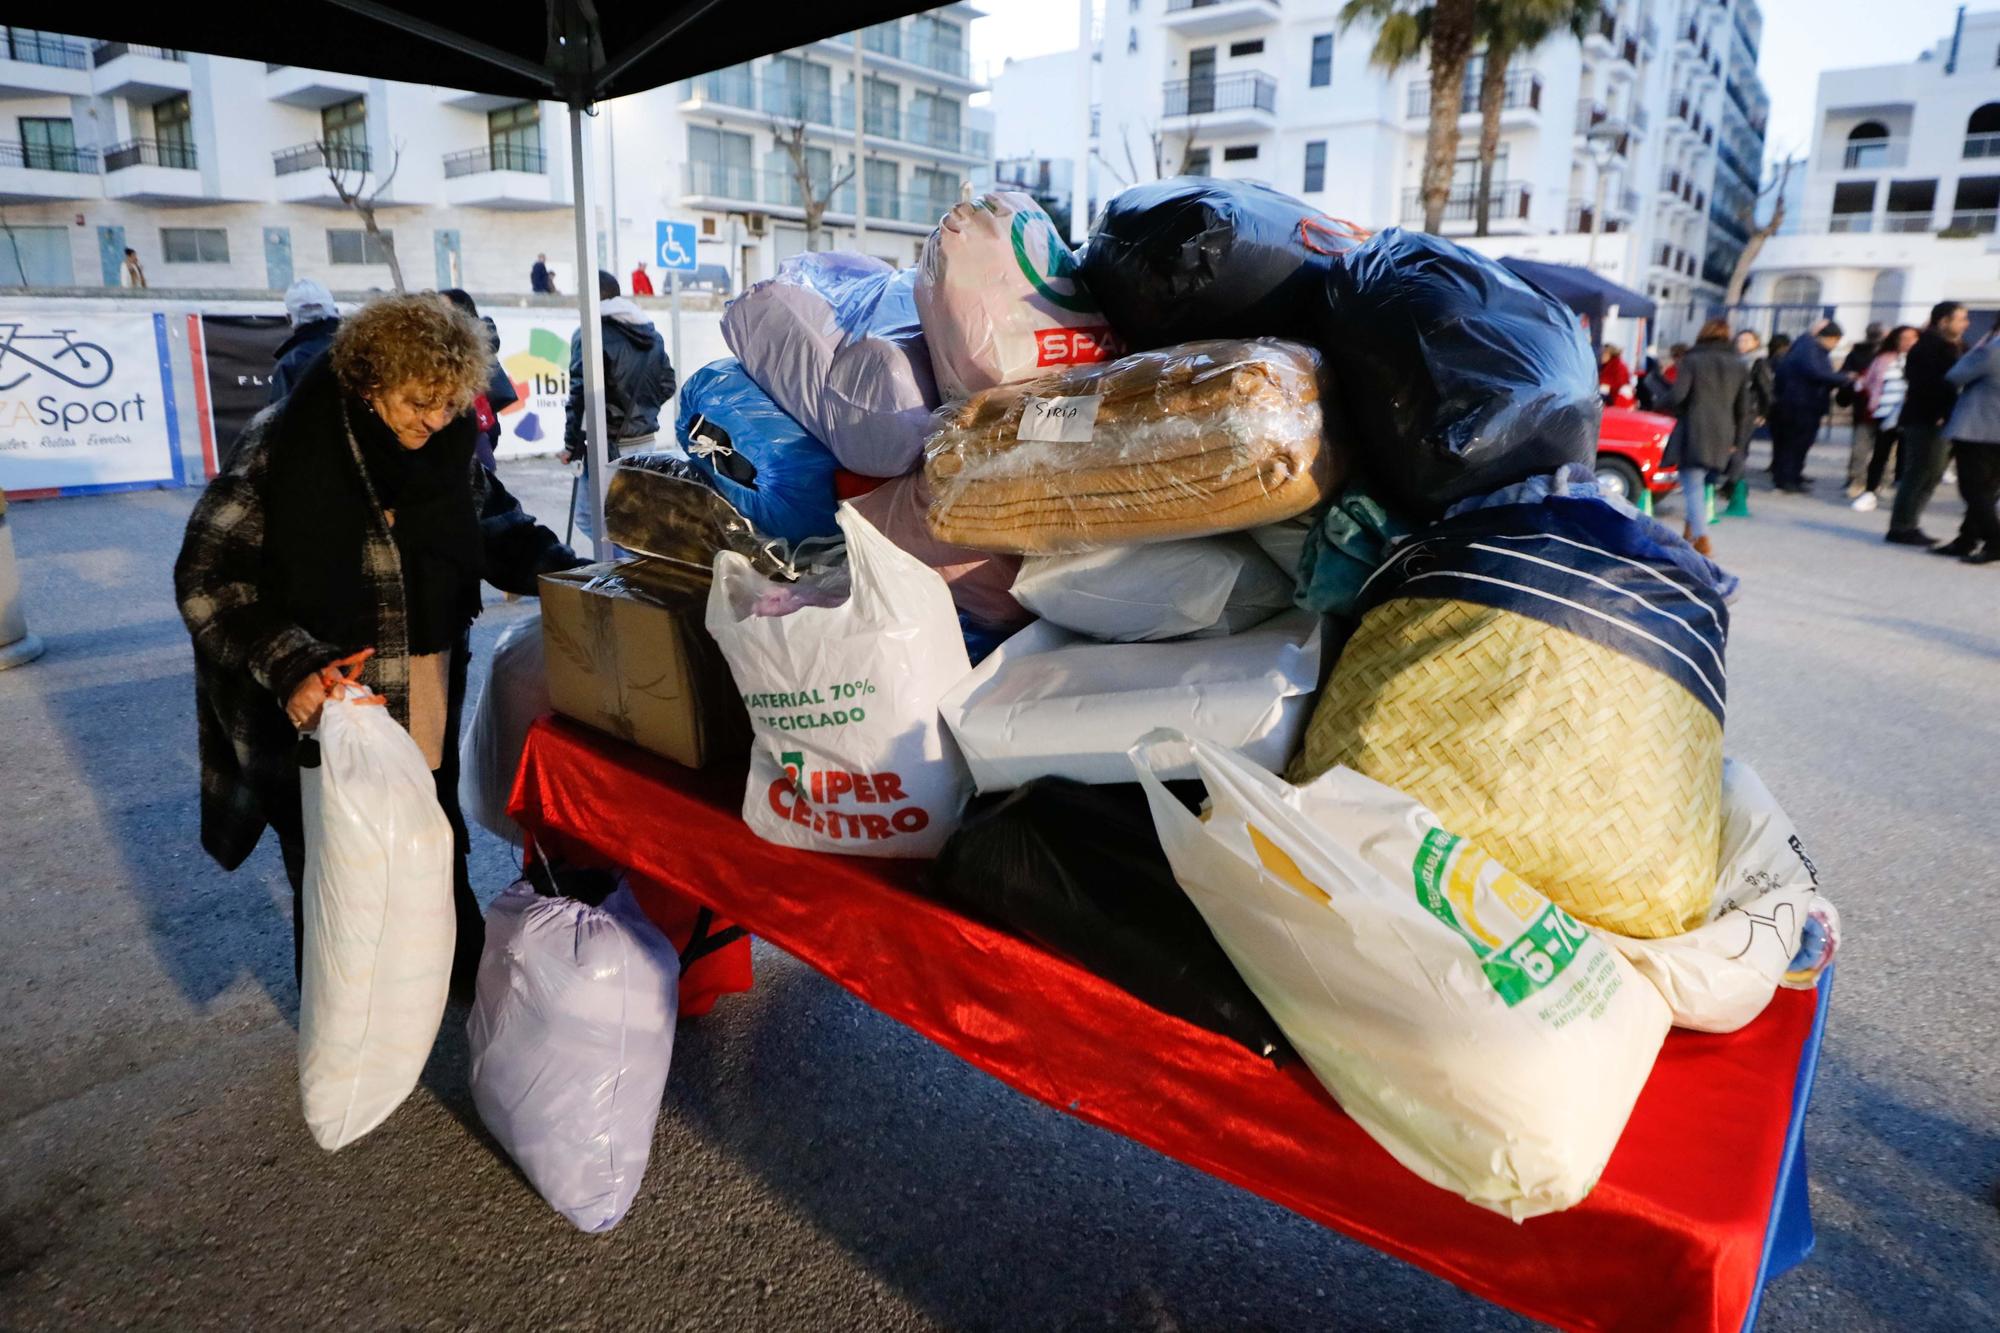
1806	380
1930	396
638	382
1713	398
297	352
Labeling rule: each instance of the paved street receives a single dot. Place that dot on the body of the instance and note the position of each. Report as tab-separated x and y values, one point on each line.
816	1165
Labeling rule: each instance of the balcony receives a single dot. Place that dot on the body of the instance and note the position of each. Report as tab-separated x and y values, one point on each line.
1914	221
1202	18
1844	223
314	89
142	73
1874	154
736	94
1523	94
1229	103
303	172
39	64
1509	212
894	41
1602	37
458	99
509	177
152	171
29	175
1973	222
1982	145
716	186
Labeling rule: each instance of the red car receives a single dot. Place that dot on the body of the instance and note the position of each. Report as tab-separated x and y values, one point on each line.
1629	446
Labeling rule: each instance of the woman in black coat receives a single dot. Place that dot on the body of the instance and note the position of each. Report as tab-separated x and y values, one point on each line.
347	540
1713	397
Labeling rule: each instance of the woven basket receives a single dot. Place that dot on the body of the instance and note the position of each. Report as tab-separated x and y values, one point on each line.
1592	776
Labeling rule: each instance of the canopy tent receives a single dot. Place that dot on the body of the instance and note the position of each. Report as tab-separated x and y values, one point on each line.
576	51
1584	291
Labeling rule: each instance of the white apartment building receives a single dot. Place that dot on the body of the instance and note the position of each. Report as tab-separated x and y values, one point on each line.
215	170
1900	203
1612	148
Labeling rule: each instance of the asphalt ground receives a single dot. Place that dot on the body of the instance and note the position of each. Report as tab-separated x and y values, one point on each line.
817	1166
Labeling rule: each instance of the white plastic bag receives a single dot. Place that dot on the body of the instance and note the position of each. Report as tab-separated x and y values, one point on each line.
516	693
572	1034
847	753
1477	1031
1195	588
1720	975
1049	703
1000	299
379	926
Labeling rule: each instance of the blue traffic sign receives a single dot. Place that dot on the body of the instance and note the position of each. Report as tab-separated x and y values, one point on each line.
674	246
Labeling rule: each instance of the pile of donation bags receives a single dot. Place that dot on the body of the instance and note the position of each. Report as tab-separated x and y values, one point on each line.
1230	610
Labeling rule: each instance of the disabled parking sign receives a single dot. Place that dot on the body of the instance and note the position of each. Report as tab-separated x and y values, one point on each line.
674	246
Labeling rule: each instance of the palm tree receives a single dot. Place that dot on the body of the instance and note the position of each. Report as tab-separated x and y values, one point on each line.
1509	26
1406	28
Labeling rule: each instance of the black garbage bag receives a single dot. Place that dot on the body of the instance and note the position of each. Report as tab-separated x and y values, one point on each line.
1078	870
1460	376
1177	260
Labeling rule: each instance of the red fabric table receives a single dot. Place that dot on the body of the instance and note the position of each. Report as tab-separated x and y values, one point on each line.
1674	1236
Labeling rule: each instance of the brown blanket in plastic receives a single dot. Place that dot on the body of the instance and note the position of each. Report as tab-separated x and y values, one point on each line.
1188	441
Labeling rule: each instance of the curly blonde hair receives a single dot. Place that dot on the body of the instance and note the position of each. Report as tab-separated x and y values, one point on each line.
417	343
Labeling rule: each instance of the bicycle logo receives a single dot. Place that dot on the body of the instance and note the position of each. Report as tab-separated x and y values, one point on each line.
88	365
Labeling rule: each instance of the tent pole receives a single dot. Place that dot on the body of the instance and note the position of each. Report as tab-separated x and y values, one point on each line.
595	429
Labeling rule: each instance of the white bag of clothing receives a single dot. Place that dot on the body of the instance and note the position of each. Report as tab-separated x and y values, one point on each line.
1720	975
1049	703
847	753
516	693
979	580
378	921
1198	587
835	340
1000	299
572	1033
1485	1037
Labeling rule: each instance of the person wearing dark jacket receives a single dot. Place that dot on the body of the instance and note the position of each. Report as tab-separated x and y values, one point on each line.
346	540
1802	385
638	382
1974	431
1712	397
1855	365
309	306
1928	398
499	393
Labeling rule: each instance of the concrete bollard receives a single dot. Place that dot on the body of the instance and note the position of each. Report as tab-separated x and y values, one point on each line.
17	646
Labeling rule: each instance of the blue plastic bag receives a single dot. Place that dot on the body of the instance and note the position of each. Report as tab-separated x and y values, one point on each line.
763	462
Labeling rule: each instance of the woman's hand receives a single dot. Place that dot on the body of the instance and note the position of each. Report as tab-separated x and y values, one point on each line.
303	708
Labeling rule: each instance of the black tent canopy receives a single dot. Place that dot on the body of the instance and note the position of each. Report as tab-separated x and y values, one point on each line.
575	51
1582	290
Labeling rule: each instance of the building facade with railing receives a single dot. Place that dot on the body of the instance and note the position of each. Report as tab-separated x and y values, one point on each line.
1608	144
1900	205
229	175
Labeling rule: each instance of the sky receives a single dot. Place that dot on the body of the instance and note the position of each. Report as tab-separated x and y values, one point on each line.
1801	38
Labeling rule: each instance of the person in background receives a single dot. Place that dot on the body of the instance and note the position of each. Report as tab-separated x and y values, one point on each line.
1804	385
1974	432
1646	380
1749	347
131	275
1855	365
1713	399
345	544
1614	377
540	279
314	316
638	382
1881	393
1928	398
499	394
642	282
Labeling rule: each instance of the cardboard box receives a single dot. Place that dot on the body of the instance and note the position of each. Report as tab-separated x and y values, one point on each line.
627	654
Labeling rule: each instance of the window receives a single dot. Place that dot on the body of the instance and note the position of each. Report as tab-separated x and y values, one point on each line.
48	144
345	123
1197	160
1322	62
885	182
194	245
353	245
514	134
1885	297
934	120
883	100
719	163
883	38
1315	166
1853	206
1254	47
36	257
173	128
1131	41
1982	132
1796	289
1243	152
799	89
784	176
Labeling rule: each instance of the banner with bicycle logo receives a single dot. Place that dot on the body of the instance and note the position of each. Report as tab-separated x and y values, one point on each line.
86	402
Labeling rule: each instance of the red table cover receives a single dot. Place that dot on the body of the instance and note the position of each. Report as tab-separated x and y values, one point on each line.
1670	1239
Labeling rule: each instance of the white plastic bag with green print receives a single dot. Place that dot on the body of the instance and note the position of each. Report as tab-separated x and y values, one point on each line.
1477	1031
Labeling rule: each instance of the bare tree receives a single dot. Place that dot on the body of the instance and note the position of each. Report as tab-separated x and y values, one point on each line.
1739	277
815	196
348	170
14	243
1158	154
